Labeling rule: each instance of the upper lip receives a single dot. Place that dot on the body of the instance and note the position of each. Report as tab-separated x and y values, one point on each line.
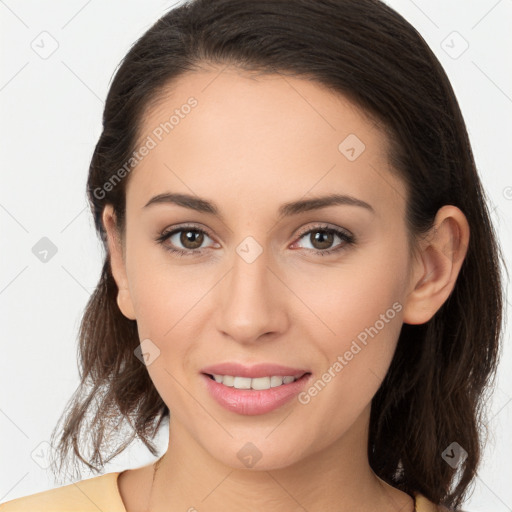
253	371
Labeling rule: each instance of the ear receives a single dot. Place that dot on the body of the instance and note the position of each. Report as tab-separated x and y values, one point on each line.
117	262
440	257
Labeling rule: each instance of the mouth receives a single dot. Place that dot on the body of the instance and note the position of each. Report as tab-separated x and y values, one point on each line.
256	383
254	395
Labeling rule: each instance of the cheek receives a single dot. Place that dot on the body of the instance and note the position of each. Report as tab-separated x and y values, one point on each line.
166	314
361	306
353	296
371	322
166	303
357	360
164	293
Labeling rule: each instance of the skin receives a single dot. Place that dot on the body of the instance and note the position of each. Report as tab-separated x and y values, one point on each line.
250	145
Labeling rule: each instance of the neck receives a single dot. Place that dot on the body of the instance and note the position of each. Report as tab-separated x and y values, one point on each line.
337	478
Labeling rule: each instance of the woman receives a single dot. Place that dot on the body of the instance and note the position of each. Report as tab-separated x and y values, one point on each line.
298	248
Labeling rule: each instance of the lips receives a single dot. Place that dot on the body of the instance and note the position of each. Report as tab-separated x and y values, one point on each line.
254	371
227	385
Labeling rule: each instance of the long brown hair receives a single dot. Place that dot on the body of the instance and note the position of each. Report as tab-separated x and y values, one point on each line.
433	393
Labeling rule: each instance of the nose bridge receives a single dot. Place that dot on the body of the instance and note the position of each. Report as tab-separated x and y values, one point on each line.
250	267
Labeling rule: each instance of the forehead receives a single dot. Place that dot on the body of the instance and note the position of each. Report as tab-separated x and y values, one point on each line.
269	137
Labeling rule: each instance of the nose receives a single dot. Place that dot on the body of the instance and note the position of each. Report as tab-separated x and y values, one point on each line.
251	302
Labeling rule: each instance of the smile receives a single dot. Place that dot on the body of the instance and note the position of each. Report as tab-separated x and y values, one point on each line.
256	395
258	383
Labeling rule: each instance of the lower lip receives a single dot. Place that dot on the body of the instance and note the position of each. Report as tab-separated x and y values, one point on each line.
251	401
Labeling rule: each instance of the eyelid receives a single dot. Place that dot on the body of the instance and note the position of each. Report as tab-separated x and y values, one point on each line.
326	226
302	232
185	226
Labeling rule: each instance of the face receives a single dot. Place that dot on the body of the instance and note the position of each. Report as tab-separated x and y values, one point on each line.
318	288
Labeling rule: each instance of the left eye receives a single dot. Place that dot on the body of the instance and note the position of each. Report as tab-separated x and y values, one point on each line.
324	237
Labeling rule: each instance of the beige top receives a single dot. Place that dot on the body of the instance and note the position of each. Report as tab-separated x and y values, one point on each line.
102	493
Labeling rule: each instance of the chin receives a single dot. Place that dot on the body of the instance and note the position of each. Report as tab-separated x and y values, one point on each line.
260	454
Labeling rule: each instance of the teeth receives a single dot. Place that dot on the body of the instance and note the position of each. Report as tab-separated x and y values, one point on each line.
242	383
275	381
258	383
227	380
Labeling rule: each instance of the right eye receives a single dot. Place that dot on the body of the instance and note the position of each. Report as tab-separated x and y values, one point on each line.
190	238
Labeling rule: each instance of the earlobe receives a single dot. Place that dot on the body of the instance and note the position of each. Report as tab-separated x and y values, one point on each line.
441	254
117	263
125	304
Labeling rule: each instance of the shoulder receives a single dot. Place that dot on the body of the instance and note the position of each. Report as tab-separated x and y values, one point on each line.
422	504
93	494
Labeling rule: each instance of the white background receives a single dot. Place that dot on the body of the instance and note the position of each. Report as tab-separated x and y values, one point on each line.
50	120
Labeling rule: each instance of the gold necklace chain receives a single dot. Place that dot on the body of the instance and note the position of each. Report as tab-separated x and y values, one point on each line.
157	463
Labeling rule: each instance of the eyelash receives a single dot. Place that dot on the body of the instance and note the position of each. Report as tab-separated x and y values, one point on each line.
345	237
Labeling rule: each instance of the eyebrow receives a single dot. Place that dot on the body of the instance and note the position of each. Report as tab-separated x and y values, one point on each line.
286	210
